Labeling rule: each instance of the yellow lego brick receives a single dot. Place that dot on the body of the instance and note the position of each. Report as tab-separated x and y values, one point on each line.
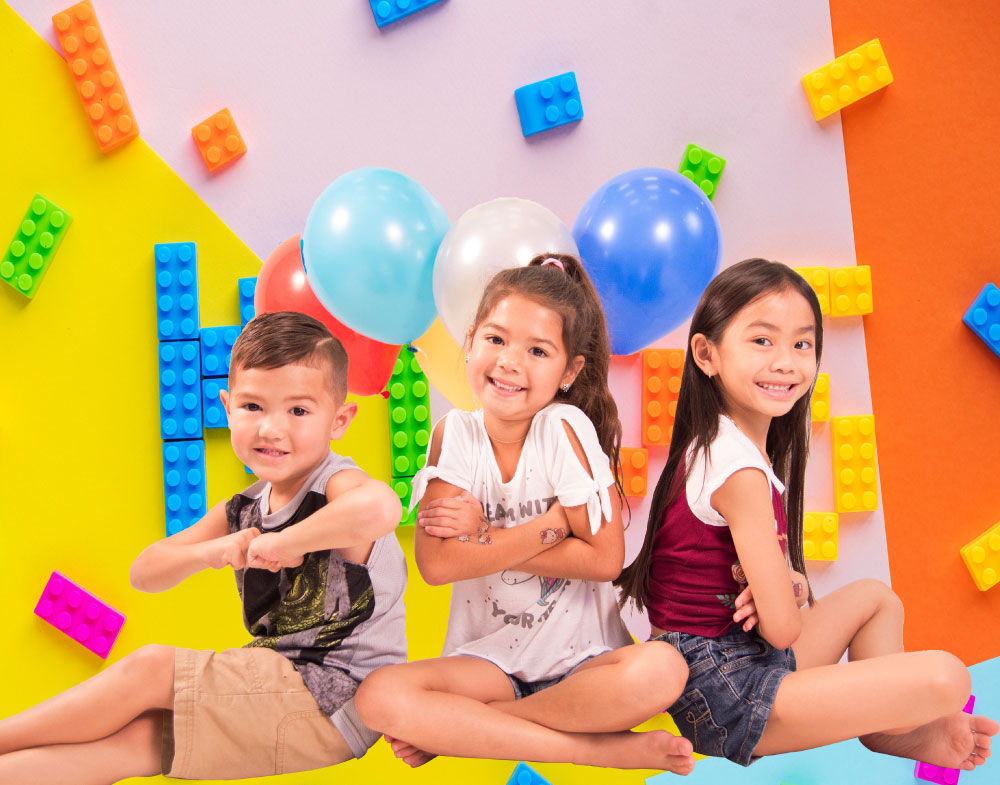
847	79
819	280
821	398
635	470
854	466
819	535
851	290
661	382
982	557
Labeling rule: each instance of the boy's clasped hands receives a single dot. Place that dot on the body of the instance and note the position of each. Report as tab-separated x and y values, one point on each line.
250	548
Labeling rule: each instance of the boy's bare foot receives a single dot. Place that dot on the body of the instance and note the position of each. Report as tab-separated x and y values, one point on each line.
410	755
958	741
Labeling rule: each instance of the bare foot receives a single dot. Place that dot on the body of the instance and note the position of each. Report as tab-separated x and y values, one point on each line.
654	749
958	741
410	755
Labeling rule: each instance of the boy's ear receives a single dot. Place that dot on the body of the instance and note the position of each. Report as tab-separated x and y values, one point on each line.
704	355
224	397
345	414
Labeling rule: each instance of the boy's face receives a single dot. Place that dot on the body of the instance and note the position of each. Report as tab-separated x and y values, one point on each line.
282	421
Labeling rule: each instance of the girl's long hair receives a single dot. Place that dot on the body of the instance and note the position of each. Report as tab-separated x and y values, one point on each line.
700	404
571	294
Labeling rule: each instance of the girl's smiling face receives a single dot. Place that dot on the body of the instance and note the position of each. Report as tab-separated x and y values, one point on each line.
766	360
517	360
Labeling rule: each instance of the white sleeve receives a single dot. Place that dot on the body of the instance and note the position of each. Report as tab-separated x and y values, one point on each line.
454	464
729	453
571	483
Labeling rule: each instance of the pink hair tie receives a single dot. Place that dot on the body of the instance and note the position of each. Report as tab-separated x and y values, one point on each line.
554	262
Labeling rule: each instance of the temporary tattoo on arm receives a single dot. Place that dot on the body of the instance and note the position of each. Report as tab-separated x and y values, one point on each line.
483	537
550	536
797	588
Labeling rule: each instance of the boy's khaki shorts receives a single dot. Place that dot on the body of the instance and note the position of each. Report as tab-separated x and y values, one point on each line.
247	713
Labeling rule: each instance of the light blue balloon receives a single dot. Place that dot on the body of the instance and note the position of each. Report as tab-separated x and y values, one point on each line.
368	249
651	242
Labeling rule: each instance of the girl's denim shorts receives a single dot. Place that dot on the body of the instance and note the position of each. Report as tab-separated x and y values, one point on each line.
732	683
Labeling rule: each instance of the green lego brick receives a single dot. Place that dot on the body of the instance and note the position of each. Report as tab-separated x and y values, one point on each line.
409	415
703	167
35	242
404	490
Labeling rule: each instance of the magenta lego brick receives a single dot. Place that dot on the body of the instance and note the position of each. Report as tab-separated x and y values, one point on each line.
89	621
940	774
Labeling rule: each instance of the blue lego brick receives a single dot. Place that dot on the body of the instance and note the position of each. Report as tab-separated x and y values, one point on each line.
388	11
983	317
176	291
183	483
523	774
216	349
247	287
211	405
180	390
548	104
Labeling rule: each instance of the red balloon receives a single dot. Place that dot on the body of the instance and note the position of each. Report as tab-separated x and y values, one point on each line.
282	286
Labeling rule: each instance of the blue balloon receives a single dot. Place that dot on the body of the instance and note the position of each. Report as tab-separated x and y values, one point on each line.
651	242
368	249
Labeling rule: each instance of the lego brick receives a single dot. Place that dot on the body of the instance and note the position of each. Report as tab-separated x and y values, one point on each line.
854	464
247	289
78	613
548	104
851	290
180	390
661	382
35	242
184	491
388	11
703	167
217	349
409	415
96	77
214	413
983	317
176	266
404	490
982	557
219	140
821	398
635	470
819	280
847	79
939	774
523	774
819	535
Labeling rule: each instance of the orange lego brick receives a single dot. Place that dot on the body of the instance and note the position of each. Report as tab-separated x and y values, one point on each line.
661	381
96	78
982	557
821	398
819	535
847	79
854	466
218	140
819	279
635	470
851	290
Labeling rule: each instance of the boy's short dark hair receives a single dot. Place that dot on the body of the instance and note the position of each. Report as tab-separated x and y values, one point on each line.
274	340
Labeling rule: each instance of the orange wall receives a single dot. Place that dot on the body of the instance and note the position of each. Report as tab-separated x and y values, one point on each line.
924	170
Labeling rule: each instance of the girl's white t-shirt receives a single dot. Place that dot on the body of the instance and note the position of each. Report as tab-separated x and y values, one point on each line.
532	627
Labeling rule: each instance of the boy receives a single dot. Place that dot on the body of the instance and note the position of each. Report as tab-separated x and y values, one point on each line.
321	577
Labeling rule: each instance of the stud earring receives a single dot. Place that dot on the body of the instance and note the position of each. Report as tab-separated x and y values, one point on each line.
565	388
466	359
